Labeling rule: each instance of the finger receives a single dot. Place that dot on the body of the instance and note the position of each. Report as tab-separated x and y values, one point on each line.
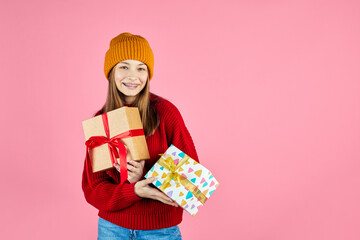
135	164
164	198
130	174
175	204
167	198
155	194
131	168
137	171
133	175
161	198
117	166
141	163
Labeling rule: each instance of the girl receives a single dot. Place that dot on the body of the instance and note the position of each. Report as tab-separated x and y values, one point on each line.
136	209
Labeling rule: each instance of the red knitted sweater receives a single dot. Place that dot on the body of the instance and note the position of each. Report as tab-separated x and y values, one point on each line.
119	204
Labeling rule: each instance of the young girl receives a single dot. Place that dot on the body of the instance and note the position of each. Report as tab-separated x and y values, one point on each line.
136	209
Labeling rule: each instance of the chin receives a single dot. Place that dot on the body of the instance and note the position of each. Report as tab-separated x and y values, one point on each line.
130	94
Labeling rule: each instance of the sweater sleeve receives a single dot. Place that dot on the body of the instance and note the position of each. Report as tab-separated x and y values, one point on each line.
105	194
177	132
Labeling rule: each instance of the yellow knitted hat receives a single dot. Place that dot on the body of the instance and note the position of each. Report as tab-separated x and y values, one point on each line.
128	46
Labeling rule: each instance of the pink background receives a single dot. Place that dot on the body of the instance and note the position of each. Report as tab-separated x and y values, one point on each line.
269	90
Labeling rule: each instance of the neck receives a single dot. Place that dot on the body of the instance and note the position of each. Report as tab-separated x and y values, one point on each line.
130	99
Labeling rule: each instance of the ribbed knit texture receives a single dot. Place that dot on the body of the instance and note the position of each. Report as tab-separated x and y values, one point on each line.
119	204
129	46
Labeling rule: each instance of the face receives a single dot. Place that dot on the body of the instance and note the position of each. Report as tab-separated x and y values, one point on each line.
130	78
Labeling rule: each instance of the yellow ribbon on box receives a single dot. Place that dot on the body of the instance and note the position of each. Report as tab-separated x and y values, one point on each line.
169	164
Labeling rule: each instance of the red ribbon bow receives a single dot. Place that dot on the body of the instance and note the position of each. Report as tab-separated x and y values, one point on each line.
113	143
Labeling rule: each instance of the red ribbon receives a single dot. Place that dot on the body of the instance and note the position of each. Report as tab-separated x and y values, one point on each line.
113	143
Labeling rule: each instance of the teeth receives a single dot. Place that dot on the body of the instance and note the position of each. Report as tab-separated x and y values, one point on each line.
130	85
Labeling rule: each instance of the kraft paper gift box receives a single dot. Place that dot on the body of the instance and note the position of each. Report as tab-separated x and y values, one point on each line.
183	179
125	121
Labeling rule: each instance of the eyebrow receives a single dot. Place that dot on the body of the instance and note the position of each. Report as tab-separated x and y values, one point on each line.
129	64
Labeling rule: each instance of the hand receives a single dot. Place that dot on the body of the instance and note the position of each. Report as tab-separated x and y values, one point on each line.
135	170
142	189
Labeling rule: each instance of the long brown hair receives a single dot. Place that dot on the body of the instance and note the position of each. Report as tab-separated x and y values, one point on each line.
116	99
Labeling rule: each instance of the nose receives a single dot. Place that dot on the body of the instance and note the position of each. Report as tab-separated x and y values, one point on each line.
132	77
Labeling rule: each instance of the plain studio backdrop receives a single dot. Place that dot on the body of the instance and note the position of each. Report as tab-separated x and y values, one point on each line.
269	90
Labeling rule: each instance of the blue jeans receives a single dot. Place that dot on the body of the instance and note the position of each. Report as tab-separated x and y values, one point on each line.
110	231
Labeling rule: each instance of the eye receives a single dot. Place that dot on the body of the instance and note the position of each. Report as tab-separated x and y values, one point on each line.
142	69
123	67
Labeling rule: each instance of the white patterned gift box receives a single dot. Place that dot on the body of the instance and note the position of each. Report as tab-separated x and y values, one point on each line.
183	179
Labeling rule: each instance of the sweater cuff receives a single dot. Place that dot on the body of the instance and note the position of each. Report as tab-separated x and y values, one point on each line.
128	191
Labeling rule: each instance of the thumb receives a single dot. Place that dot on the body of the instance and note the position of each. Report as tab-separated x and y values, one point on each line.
147	181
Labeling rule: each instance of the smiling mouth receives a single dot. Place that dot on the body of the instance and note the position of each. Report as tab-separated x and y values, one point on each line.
131	85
